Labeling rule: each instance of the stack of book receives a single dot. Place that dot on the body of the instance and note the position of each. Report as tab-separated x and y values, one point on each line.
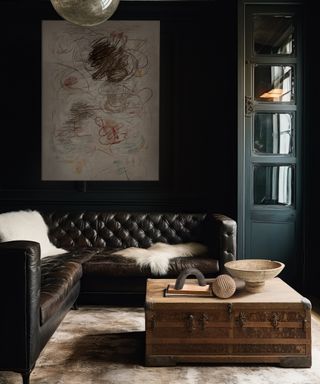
189	289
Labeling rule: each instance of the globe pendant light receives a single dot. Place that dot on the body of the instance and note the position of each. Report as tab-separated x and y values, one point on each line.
85	12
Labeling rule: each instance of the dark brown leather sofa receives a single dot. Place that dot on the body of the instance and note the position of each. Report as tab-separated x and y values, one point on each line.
37	293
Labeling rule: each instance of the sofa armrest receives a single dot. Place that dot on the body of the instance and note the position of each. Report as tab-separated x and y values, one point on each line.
225	239
20	279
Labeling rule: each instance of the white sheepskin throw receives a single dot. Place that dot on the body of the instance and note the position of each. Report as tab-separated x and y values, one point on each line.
158	256
27	225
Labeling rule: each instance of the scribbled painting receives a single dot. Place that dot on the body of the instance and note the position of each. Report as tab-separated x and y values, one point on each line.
100	101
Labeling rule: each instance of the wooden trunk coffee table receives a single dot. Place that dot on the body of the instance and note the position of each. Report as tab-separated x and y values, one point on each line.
273	326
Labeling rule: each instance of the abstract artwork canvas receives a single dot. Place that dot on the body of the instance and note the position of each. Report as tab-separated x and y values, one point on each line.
100	101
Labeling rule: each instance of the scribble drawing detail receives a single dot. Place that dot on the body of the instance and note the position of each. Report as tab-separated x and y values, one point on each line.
100	101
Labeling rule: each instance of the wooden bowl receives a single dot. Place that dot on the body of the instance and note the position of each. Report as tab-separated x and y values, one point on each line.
254	272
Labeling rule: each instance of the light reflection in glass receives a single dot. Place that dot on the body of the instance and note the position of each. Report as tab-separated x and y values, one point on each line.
273	133
273	34
274	83
273	185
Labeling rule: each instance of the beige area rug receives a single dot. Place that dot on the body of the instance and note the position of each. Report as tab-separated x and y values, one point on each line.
96	345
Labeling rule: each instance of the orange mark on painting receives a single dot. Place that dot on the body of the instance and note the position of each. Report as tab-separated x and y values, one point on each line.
70	81
110	132
78	166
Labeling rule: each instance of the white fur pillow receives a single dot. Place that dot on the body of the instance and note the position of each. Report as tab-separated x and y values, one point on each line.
27	225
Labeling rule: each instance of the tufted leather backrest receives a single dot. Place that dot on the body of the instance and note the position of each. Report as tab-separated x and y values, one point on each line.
122	230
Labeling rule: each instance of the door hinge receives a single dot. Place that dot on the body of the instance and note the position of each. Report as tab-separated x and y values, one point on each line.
248	105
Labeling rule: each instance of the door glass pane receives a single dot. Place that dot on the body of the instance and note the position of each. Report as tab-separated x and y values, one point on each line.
273	184
273	35
273	133
273	83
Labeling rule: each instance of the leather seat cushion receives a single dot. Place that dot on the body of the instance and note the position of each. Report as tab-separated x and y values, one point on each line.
105	274
99	269
59	274
103	264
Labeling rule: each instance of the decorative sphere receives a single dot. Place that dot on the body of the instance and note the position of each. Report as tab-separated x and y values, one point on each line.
85	12
223	286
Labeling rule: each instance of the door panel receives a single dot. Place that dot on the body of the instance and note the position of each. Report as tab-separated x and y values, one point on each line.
269	135
271	241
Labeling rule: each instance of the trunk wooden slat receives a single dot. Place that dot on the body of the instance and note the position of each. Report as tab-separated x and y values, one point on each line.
273	326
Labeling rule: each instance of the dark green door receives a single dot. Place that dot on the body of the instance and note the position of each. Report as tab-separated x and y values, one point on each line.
270	136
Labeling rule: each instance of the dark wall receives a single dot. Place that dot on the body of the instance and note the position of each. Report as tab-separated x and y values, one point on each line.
198	112
198	117
311	154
